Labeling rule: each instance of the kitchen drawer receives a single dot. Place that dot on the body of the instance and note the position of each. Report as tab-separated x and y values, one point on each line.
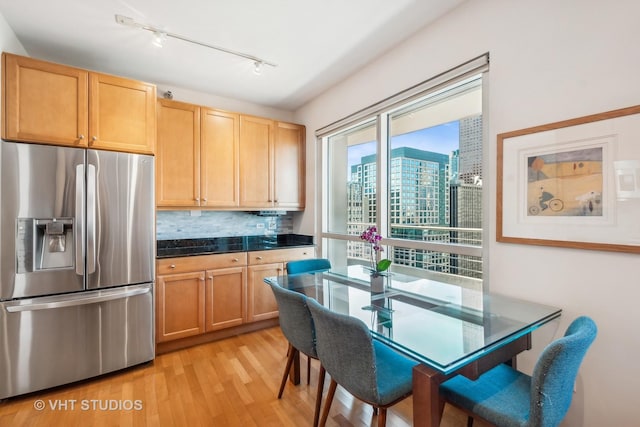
280	255
200	262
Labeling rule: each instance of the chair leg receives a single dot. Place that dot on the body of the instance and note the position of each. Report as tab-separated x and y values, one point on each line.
382	417
327	403
293	352
469	421
308	370
316	413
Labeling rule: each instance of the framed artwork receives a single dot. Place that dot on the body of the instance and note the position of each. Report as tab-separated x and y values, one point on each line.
574	183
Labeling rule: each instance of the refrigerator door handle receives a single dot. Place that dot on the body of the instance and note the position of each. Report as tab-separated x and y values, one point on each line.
79	226
75	299
91	219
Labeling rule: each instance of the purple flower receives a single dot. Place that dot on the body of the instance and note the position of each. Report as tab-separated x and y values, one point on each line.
371	236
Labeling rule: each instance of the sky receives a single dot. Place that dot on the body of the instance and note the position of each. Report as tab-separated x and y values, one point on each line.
438	139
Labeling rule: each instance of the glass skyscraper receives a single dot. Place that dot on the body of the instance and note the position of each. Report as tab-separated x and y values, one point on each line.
432	197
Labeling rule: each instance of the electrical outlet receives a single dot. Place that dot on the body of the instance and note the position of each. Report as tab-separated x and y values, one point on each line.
260	225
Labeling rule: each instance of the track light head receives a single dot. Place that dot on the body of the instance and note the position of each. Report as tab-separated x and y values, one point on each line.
257	67
159	38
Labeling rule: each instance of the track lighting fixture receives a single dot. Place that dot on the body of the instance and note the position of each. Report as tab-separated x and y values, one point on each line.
257	67
160	36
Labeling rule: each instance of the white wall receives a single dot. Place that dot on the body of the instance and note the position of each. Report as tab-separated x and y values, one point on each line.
223	103
550	61
8	41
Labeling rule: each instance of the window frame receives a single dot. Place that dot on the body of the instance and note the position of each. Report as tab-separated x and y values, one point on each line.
381	113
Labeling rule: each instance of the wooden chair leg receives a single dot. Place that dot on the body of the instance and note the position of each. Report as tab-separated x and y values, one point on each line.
327	403
382	417
316	413
469	421
292	354
308	370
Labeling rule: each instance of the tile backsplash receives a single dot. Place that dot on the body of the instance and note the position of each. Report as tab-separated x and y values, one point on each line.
202	224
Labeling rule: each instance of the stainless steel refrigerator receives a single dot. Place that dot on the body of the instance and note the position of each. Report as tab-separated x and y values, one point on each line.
76	264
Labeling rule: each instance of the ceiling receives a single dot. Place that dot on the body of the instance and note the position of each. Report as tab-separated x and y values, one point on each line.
315	43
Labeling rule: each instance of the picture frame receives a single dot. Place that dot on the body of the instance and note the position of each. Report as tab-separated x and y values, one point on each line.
573	183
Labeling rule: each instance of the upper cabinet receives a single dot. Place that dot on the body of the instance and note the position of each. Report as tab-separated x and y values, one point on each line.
50	103
219	150
256	162
122	114
197	156
271	164
288	166
221	160
178	154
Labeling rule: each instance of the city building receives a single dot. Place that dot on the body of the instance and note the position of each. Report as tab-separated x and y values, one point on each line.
431	195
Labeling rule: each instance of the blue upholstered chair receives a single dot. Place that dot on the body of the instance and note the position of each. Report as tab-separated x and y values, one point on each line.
313	265
297	326
506	397
366	368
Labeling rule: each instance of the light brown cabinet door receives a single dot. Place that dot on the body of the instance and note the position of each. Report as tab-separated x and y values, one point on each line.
54	104
289	168
225	298
220	179
122	114
179	305
44	102
256	162
261	301
178	154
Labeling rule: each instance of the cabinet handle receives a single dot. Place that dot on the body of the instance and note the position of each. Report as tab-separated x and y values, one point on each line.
211	278
235	260
81	136
94	138
205	199
259	258
197	199
304	253
172	266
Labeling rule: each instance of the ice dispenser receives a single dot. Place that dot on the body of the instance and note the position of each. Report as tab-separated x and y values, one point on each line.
44	244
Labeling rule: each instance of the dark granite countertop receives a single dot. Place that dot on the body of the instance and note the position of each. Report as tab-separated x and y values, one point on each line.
218	245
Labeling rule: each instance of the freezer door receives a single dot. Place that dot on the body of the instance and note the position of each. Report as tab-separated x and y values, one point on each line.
120	219
50	341
41	213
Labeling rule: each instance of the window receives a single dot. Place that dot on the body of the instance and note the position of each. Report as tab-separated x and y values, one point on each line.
413	167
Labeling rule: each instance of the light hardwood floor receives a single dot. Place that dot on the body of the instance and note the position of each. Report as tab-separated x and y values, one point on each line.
232	382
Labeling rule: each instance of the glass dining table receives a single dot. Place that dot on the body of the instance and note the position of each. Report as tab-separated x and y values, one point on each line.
450	328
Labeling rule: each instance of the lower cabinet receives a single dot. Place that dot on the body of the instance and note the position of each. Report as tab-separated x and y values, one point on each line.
207	293
199	294
179	308
225	298
262	303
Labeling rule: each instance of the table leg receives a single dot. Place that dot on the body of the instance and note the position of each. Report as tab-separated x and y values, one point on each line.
427	404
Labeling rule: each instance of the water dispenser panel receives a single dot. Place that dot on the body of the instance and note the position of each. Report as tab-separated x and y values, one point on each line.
44	244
